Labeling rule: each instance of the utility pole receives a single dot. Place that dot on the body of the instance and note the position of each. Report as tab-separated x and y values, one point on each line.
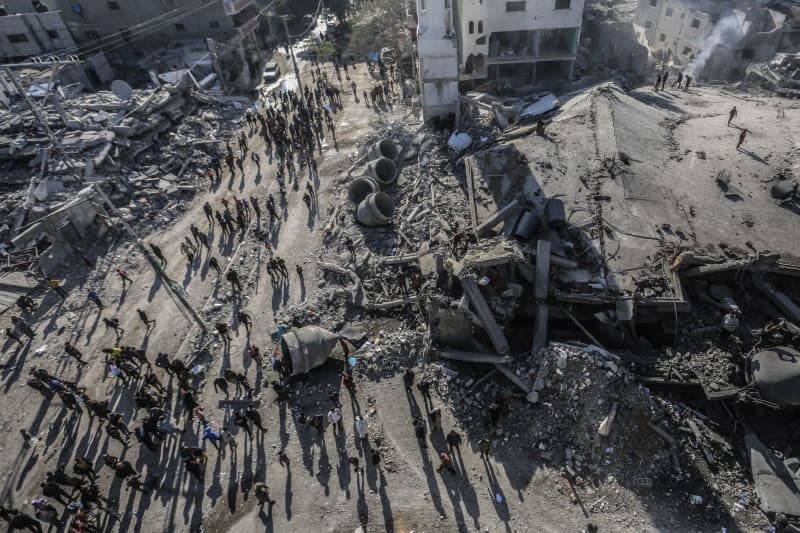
174	288
299	82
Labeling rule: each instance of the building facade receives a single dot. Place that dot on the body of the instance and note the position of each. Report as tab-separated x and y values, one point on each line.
123	28
25	35
438	58
509	42
531	41
717	39
675	30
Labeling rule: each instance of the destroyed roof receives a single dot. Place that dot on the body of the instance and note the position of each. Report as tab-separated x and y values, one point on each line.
662	172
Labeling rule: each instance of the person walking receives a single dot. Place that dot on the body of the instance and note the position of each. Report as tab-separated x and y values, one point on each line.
213	263
453	440
446	462
71	351
11	335
92	295
222	329
124	277
262	495
233	277
56	286
420	430
732	115
436	419
408	379
245	319
23	326
113	323
211	436
159	254
742	137
362	426
148	322
335	420
484	446
241	421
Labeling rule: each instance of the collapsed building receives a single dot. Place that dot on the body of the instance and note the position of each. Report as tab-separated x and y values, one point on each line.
79	165
717	40
573	270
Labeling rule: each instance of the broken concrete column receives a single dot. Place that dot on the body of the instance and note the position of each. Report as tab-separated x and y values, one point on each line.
361	187
499	216
384	148
376	209
554	213
307	348
485	314
540	294
384	170
526	225
779	298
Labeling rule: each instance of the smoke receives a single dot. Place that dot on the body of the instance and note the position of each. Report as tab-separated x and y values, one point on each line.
727	31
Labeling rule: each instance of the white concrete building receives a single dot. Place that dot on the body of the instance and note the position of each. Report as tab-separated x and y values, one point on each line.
675	29
438	58
529	41
524	42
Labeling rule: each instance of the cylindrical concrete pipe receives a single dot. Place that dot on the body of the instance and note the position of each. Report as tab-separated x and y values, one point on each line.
384	170
376	209
361	187
526	225
554	213
384	148
307	347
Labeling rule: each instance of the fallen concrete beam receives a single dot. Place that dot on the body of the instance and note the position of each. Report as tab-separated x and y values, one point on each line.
474	357
540	326
485	314
779	298
399	259
580	327
500	215
513	378
390	304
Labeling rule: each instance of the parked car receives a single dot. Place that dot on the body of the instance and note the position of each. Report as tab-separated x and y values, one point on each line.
271	72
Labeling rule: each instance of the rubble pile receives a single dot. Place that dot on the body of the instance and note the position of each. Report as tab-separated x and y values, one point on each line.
781	74
156	143
590	416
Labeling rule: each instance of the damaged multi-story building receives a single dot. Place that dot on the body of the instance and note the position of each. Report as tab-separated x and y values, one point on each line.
519	43
717	39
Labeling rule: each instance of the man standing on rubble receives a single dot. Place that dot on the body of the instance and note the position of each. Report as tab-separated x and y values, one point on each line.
688	83
658	82
348	242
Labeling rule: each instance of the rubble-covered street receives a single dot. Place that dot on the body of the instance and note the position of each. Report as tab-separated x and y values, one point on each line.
311	309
